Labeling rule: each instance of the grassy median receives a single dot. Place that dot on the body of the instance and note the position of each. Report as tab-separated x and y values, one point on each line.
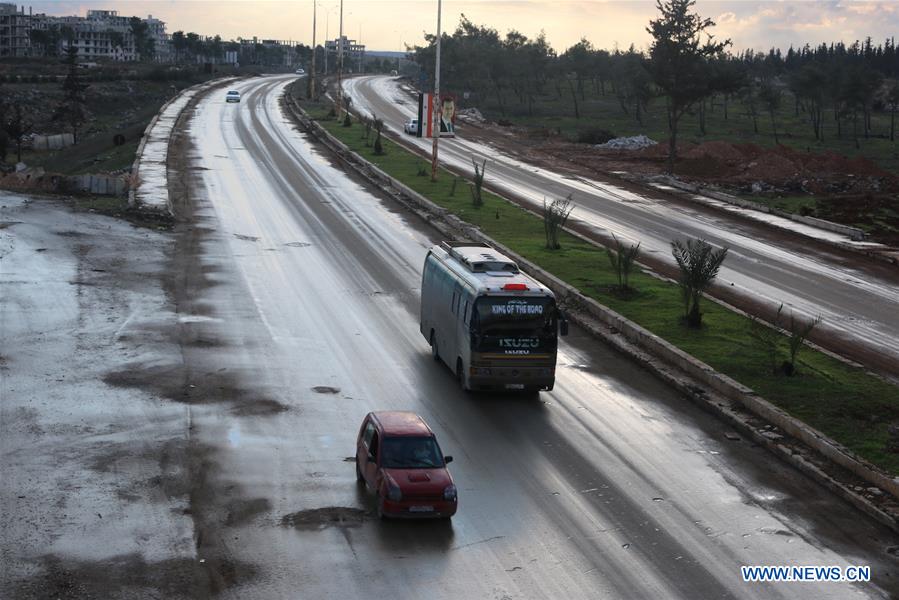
848	404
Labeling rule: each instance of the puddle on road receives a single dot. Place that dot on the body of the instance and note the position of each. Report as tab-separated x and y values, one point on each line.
198	319
248	238
316	519
325	389
298	244
775	531
234	436
258	408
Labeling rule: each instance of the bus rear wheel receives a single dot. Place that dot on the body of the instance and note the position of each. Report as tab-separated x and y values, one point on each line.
435	352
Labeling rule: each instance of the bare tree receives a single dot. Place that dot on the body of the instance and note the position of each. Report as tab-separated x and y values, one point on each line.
17	125
768	337
770	96
893	102
799	332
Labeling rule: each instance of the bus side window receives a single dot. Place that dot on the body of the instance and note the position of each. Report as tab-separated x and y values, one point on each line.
454	305
466	315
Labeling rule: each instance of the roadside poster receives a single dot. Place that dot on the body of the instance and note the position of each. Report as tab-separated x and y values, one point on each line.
446	114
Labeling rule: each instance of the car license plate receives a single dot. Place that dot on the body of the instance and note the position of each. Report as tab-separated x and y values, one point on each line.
514	386
421	509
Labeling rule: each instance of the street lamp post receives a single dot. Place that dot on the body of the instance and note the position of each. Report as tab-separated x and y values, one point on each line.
435	122
327	36
311	74
340	64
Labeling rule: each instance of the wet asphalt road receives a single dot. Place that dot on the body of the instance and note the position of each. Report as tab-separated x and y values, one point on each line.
184	432
858	299
610	486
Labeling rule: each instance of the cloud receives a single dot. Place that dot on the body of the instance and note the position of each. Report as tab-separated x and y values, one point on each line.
725	18
387	24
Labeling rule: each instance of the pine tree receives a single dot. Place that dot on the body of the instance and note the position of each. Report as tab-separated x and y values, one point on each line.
71	110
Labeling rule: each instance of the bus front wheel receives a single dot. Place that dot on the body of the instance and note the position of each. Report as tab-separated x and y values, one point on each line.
461	376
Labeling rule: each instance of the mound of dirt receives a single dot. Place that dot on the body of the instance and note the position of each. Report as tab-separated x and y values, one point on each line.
720	151
769	168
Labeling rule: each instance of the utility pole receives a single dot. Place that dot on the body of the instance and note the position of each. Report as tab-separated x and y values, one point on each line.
340	64
435	120
311	75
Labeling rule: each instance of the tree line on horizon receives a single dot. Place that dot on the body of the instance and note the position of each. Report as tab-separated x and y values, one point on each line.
685	69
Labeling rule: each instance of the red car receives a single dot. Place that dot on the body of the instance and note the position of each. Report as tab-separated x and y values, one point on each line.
397	455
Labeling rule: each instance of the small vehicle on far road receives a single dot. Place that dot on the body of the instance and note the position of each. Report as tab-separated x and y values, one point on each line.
232	96
411	126
300	71
398	457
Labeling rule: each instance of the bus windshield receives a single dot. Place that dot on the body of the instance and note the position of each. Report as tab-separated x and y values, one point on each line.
498	315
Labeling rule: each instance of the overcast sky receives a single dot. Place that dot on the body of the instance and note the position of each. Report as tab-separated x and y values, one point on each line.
388	24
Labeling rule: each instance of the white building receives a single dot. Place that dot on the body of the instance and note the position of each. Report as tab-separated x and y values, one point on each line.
353	53
101	34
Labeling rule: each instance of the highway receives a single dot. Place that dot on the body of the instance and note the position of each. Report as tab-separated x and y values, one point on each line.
609	486
857	299
178	414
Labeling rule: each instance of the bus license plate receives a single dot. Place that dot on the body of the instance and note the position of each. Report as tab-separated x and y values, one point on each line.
421	509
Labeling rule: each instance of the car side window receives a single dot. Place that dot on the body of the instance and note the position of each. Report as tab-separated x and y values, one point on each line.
367	434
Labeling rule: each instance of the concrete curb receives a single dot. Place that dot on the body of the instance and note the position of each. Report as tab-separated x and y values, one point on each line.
721	395
141	158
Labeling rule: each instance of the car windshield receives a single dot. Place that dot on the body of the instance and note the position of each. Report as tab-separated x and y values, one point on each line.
410	453
234	93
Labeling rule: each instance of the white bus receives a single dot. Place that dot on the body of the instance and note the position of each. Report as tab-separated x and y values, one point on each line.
495	327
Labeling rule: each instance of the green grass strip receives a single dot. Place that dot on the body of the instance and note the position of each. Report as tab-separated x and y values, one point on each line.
847	404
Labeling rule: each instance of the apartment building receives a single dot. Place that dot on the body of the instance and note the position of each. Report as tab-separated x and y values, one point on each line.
14	28
101	34
353	53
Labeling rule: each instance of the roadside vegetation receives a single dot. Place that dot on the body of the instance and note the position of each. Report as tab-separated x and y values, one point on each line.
98	105
789	123
847	403
838	96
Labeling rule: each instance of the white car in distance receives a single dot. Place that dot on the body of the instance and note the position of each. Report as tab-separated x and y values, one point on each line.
232	96
411	126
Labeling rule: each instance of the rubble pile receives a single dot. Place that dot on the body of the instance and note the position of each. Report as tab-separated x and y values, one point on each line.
471	114
636	142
